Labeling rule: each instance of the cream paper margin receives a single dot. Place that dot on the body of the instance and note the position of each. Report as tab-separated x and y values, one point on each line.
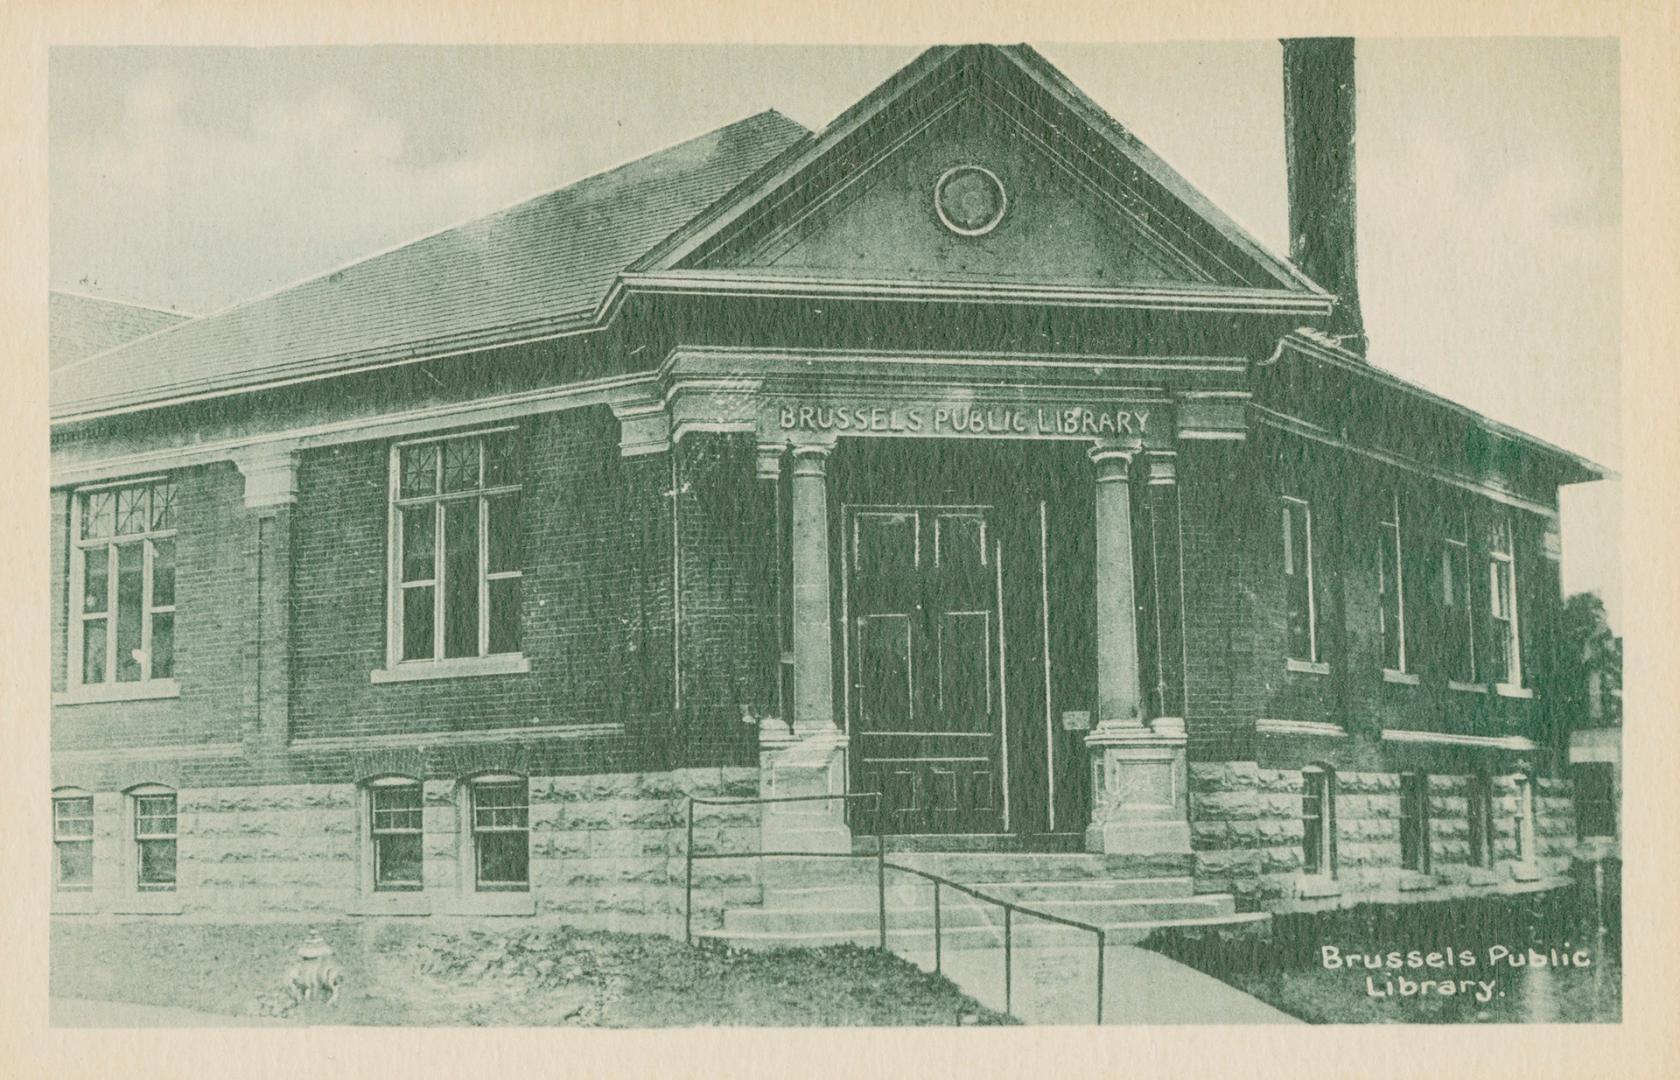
1646	1044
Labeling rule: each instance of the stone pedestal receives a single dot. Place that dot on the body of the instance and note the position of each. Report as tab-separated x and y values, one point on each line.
797	764
1139	791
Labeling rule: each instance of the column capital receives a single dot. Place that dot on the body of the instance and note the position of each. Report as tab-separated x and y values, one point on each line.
270	476
1161	466
1113	460
770	460
811	458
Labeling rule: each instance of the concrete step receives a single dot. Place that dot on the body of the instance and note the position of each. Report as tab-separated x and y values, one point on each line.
904	890
957	911
1026	932
968	867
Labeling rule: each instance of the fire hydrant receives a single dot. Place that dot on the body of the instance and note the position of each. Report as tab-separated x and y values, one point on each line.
315	970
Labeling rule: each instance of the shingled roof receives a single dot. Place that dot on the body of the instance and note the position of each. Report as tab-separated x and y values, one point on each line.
79	325
537	268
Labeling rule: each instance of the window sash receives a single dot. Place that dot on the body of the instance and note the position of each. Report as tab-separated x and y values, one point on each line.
1391	588
1502	615
439	582
1316	824
110	616
1298	574
1461	613
1414	822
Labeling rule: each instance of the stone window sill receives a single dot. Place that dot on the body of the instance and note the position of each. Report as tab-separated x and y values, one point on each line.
1308	667
133	691
1317	887
74	902
1402	678
1525	871
1511	690
1414	881
464	667
392	903
494	903
1482	876
1467	687
157	903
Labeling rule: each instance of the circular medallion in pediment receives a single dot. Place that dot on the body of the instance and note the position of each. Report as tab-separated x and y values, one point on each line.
969	200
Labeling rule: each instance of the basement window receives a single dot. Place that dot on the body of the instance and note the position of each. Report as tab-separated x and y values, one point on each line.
1479	810
396	834
1318	821
1414	822
154	839
501	834
73	843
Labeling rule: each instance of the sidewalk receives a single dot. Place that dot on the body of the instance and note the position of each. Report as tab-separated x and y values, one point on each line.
1056	984
80	1013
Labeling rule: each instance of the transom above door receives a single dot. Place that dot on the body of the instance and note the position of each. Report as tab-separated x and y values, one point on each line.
924	656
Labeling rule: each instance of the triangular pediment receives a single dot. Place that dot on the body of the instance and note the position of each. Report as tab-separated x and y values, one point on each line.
976	164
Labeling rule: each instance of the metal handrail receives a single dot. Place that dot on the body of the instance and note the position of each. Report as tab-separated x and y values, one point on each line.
1009	908
690	856
881	867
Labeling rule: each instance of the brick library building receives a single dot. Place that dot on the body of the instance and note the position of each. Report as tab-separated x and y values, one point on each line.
960	452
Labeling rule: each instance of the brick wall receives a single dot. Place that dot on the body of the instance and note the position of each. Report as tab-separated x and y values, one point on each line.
212	540
1235	604
725	544
596	609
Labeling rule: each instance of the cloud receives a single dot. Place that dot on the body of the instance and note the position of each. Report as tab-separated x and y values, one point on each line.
308	181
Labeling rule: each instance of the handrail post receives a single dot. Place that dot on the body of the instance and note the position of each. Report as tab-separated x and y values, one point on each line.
1008	959
688	879
938	940
1102	951
881	867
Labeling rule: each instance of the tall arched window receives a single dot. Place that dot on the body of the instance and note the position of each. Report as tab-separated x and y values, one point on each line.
395	834
1318	820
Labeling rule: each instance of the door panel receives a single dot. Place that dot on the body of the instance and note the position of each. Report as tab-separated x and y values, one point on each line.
924	624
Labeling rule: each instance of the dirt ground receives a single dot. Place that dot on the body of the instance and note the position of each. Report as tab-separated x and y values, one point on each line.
404	973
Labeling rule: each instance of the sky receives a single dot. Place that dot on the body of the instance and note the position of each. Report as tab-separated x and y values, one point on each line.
1488	170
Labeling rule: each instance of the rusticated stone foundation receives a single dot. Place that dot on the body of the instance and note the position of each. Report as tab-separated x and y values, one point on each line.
606	852
1246	829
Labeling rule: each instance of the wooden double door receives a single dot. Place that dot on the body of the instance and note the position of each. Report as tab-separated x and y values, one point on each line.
964	591
927	664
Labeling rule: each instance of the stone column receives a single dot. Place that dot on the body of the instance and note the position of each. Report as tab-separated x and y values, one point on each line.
1138	772
813	637
1167	589
808	757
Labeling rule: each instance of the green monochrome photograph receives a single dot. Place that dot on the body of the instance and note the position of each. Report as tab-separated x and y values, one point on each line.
655	536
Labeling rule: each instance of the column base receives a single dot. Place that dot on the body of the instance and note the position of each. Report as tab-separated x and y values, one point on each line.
1139	790
793	764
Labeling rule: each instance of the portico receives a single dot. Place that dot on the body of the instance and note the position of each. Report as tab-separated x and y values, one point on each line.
982	603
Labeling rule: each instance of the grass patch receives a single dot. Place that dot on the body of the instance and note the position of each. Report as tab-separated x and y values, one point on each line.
405	973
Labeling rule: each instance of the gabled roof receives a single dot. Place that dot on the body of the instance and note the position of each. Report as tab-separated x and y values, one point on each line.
535	269
79	325
1024	88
